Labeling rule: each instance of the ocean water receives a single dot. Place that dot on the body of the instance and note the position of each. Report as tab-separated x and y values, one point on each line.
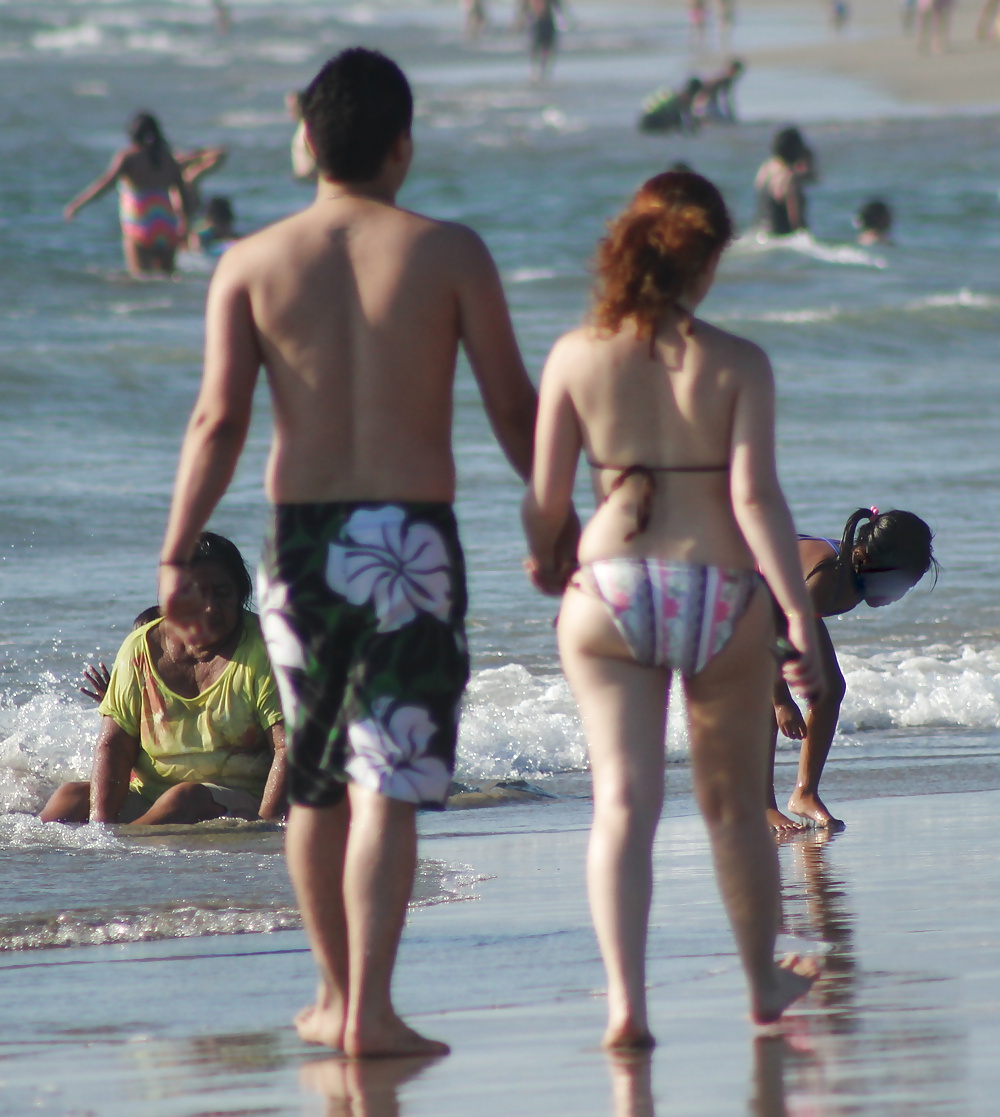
885	360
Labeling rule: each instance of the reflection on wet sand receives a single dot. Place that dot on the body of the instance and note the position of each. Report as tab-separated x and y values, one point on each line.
361	1087
631	1083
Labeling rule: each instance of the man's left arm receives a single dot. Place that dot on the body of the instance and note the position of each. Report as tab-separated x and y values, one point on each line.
215	433
274	804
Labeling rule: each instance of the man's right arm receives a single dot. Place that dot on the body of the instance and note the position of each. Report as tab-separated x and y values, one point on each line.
488	335
114	755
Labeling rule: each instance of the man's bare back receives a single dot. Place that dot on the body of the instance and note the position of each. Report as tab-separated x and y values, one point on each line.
357	308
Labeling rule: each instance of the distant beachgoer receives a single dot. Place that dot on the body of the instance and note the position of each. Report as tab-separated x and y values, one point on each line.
697	17
303	159
191	725
223	17
840	14
541	19
781	202
716	100
879	558
937	15
988	23
908	15
874	222
153	199
215	232
476	18
725	14
675	417
671	110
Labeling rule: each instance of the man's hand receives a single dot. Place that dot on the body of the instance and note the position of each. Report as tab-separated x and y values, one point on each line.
181	600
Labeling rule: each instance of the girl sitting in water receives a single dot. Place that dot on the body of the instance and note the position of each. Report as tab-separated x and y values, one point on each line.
877	560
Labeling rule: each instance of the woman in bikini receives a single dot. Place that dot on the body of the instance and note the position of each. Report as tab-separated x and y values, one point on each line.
676	419
879	558
154	202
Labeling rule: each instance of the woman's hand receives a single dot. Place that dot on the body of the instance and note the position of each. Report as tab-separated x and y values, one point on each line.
804	673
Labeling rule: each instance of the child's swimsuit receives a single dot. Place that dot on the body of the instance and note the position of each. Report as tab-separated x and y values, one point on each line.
670	614
363	610
148	217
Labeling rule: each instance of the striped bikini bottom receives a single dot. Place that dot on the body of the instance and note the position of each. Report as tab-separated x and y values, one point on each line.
672	614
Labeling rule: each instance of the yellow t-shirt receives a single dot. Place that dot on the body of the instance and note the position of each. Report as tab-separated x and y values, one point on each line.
217	737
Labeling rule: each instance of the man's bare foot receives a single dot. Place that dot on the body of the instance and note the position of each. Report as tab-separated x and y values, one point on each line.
390	1038
781	823
810	807
628	1037
793	978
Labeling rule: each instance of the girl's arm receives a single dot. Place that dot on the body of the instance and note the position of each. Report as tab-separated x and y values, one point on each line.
550	522
763	516
98	187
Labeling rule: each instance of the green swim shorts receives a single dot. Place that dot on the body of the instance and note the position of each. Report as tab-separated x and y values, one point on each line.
363	612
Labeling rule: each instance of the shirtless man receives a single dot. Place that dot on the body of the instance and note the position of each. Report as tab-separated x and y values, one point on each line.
356	309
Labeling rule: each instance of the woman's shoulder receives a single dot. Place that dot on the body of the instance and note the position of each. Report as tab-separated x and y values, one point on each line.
732	350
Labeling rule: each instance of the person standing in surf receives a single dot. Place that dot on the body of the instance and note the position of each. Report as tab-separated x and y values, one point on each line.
154	202
356	309
676	419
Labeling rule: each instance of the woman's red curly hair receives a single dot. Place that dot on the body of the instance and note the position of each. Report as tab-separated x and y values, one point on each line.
656	249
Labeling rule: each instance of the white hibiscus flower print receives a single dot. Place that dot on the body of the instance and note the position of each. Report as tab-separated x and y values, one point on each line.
283	646
390	754
403	570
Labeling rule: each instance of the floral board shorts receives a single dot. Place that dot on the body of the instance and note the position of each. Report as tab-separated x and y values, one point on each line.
363	612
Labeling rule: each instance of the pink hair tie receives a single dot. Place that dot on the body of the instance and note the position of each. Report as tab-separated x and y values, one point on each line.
874	511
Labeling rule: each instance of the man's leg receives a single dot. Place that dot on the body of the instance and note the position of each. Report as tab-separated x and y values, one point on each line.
315	847
378	878
69	803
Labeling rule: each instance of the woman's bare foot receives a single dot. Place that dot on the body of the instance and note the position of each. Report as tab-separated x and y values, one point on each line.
793	978
320	1025
809	806
389	1037
628	1037
780	823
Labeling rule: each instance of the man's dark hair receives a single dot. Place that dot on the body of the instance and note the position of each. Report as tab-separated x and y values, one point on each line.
354	109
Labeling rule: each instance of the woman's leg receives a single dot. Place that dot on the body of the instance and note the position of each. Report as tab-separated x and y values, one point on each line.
623	707
729	706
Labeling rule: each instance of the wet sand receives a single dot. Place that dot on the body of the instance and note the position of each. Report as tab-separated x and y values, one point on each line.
904	909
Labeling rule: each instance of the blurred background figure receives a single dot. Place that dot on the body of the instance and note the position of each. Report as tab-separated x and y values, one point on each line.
781	202
539	16
194	166
215	231
988	24
840	14
671	110
697	16
153	198
908	15
936	14
874	222
725	17
716	100
303	160
476	18
223	17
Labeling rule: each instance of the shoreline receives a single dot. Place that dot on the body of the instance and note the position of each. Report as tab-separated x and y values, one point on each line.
906	1015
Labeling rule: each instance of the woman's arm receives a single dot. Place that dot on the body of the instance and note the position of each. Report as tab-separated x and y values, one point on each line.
114	755
550	522
274	804
763	516
98	187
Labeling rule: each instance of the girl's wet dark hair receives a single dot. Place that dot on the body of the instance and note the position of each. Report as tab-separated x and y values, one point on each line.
144	130
789	146
894	540
656	250
355	108
217	548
